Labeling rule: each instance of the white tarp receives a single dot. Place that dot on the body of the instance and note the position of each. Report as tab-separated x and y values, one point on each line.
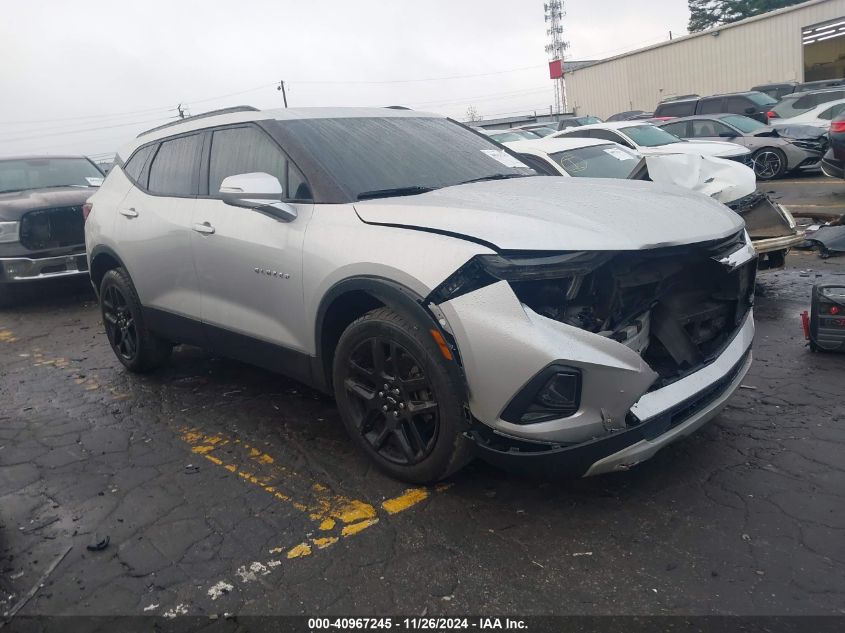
721	179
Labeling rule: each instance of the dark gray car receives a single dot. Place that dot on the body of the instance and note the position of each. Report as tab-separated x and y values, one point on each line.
42	228
774	154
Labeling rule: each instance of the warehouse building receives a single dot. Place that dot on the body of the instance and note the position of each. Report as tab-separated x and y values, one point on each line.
805	42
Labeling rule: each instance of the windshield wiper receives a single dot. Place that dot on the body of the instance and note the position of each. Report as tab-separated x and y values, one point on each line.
494	177
396	191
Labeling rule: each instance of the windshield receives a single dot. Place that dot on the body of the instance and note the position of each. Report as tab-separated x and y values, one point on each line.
399	155
762	99
588	120
21	174
744	123
597	161
506	137
649	135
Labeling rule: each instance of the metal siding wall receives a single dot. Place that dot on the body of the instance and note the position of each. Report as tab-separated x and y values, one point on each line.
762	51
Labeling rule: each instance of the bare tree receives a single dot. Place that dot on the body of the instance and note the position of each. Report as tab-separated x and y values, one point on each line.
472	114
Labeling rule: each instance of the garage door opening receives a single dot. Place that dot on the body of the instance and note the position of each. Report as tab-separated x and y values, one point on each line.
824	50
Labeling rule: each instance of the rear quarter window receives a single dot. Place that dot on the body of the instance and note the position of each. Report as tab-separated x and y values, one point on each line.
134	167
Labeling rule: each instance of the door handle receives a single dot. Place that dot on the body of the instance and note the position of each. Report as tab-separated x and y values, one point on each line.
205	228
129	213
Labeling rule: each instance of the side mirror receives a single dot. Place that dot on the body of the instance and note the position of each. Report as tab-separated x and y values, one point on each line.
258	191
750	110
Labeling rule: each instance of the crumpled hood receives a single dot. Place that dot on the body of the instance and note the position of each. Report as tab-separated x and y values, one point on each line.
559	213
699	148
15	203
720	179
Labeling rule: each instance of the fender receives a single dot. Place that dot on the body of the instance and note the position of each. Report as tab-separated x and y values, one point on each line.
101	249
394	295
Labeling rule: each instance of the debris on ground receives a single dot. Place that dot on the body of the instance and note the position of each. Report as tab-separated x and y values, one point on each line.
99	542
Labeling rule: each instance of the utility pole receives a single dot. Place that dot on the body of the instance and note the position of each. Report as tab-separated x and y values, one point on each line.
281	87
556	47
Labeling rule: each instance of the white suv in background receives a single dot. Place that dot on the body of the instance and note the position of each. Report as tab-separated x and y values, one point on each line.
453	301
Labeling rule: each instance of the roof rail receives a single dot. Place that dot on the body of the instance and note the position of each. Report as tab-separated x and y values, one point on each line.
244	108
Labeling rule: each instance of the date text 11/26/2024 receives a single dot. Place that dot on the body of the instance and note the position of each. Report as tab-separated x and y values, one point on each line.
416	624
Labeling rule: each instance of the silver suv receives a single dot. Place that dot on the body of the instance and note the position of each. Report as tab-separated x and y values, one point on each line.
453	301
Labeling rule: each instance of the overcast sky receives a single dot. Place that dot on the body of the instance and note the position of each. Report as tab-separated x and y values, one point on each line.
84	77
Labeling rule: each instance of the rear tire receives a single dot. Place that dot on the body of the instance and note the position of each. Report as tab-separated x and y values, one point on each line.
769	163
135	346
398	400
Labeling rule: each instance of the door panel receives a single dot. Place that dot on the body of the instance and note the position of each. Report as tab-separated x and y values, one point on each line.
250	273
154	233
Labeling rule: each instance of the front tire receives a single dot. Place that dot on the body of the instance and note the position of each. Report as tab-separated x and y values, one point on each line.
398	400
135	346
769	163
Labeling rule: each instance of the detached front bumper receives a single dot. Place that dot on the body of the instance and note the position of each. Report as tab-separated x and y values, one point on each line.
23	269
657	419
778	243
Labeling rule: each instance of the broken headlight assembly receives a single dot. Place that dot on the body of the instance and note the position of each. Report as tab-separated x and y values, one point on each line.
567	269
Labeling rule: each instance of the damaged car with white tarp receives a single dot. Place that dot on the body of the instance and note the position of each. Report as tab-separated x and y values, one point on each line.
772	228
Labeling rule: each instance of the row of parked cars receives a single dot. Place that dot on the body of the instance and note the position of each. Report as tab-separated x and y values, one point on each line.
454	298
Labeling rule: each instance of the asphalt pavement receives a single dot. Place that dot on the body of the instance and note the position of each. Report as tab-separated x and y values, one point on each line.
213	487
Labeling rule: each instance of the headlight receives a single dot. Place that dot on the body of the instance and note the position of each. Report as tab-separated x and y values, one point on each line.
9	232
483	270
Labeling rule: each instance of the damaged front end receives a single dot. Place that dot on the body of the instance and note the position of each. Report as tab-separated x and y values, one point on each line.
677	308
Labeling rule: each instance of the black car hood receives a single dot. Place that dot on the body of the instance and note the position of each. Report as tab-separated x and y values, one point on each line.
15	203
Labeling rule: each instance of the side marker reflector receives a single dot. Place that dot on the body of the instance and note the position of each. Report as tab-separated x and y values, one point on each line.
441	343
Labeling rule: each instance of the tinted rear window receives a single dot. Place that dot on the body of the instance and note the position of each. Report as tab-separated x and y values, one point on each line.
368	154
175	166
597	161
761	99
710	106
678	108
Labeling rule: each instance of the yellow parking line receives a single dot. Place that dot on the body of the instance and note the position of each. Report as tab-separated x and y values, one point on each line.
336	516
6	336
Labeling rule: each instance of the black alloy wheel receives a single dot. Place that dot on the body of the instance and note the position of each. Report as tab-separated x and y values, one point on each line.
120	324
134	345
394	406
401	399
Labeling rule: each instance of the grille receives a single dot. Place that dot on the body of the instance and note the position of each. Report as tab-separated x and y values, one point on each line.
747	202
53	228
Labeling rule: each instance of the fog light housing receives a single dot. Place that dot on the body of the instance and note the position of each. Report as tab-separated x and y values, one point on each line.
17	268
553	393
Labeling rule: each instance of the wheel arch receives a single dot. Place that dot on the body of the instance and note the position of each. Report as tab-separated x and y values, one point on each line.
350	299
103	259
